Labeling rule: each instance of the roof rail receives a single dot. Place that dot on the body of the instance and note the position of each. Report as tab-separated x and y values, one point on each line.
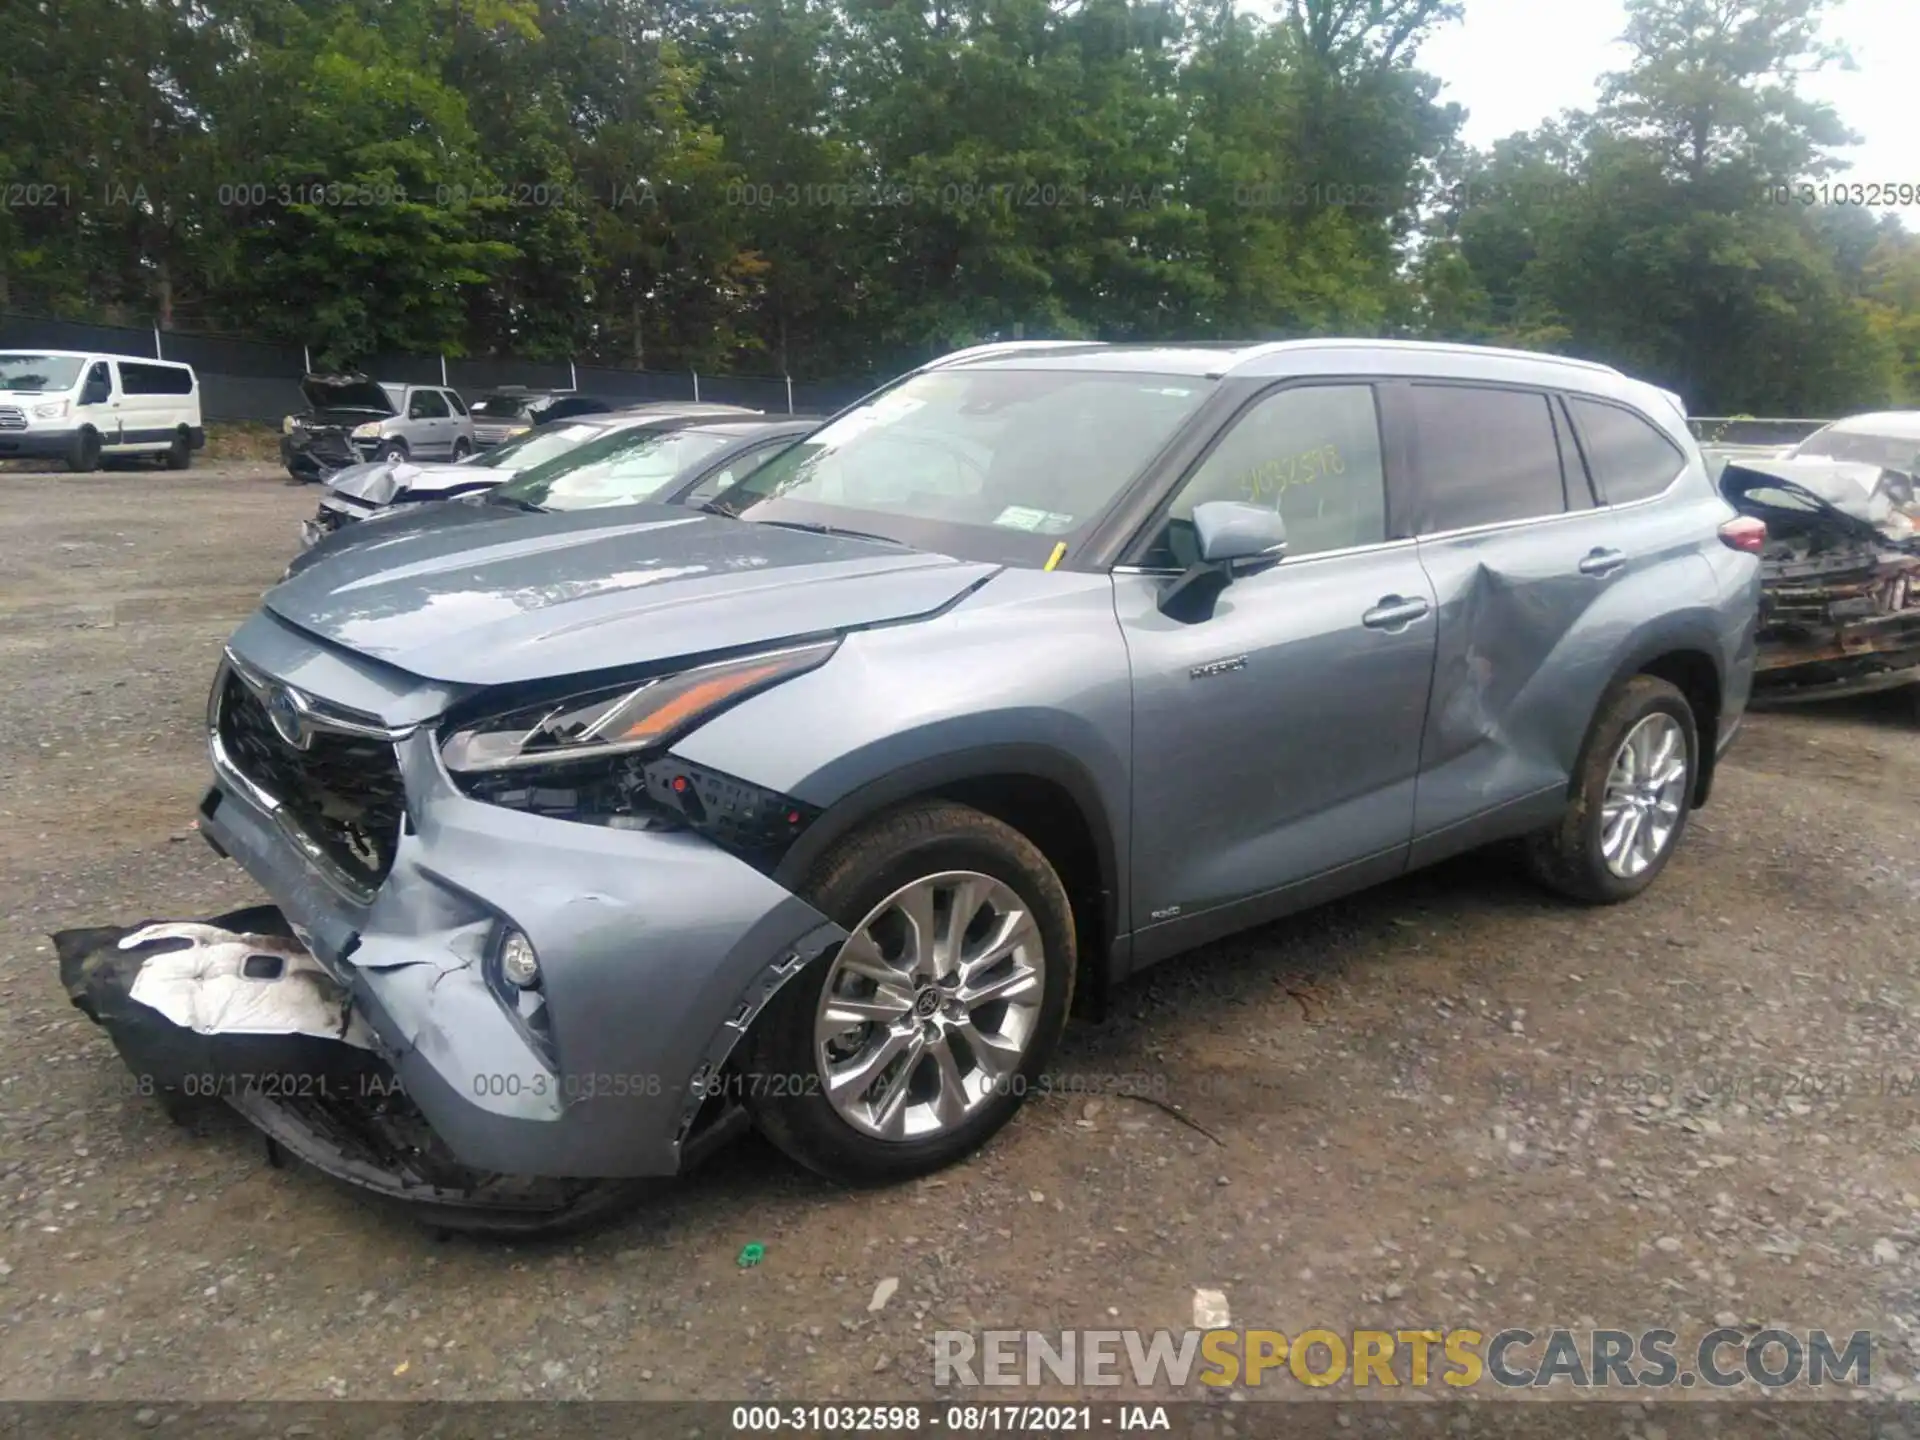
998	347
1273	347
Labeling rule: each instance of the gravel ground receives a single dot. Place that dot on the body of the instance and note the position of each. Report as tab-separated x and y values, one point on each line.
1393	1139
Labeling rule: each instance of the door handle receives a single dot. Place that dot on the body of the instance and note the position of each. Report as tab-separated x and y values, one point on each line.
1601	563
1394	612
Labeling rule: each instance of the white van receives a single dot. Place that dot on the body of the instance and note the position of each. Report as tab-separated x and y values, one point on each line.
76	406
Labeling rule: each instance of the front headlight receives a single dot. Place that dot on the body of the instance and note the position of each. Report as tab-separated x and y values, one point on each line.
621	719
56	410
289	425
368	431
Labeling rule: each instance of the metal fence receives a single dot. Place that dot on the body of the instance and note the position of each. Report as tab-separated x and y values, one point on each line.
258	380
1751	429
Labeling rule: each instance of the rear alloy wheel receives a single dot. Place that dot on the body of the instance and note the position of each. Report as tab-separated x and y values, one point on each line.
1634	791
83	455
920	1036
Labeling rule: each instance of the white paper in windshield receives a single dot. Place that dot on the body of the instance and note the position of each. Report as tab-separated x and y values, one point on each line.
1023	517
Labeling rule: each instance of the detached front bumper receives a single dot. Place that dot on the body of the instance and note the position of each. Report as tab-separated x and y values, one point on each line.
656	948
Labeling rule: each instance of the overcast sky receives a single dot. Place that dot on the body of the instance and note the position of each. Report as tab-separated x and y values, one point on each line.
1513	63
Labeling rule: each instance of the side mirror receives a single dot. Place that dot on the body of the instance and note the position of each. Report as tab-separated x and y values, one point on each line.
1235	539
1232	532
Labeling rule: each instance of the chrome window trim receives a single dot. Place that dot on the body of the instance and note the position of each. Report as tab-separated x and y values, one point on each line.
1291	562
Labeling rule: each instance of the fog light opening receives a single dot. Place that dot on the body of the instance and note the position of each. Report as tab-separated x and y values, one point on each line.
518	964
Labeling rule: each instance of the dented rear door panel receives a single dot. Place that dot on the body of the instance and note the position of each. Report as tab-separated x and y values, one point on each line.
1537	618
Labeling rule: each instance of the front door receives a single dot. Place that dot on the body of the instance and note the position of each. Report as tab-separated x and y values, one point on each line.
432	423
99	404
1277	741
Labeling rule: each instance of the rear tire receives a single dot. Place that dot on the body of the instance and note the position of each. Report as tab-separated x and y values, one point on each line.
180	453
960	1065
83	456
1629	809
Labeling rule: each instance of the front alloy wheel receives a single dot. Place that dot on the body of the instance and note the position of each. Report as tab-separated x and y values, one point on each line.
930	1005
920	1035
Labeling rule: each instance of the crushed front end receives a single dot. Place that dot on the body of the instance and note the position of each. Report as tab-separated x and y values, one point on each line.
512	1010
1840	607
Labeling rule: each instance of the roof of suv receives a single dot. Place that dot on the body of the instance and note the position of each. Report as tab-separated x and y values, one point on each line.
1222	358
1280	359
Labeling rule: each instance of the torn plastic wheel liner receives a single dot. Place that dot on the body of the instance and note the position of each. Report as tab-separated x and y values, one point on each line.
235	1009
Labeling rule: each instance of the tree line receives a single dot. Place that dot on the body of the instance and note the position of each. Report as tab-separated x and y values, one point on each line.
840	188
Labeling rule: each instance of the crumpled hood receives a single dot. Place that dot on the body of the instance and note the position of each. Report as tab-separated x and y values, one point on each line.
1796	494
550	595
381	482
346	392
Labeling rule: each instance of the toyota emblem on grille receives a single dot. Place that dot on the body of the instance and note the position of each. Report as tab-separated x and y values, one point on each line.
287	710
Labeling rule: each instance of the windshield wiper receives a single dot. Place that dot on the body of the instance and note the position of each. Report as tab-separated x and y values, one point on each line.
494	497
815	528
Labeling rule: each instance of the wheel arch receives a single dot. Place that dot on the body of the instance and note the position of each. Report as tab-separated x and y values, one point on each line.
1044	793
1687	663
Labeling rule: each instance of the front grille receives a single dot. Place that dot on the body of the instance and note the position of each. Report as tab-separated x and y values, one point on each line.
343	791
12	417
328	520
491	434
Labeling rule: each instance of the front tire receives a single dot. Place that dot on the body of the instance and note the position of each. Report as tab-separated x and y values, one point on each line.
392	450
917	1039
1632	795
83	456
461	450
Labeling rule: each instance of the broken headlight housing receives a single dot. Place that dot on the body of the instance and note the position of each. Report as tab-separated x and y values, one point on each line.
600	756
621	719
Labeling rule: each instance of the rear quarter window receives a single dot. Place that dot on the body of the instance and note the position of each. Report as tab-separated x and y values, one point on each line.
1628	456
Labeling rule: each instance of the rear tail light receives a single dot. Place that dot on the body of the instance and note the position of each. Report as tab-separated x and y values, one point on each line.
1744	533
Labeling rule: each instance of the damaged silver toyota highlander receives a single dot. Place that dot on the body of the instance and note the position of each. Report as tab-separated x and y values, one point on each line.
594	837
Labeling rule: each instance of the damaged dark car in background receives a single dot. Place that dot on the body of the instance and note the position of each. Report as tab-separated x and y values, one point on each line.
1840	611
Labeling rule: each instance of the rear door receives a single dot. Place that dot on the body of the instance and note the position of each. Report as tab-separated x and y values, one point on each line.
1277	740
1518	554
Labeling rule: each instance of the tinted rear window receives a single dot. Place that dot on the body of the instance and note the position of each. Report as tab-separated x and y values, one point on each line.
1482	457
137	379
1629	457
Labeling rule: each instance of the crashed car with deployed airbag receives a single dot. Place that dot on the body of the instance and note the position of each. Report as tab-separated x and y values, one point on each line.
615	830
1840	611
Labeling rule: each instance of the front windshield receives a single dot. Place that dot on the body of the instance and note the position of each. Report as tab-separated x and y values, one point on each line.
1887	451
38	372
623	468
536	447
993	464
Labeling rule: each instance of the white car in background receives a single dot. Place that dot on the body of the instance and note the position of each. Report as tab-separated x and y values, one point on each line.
80	407
351	419
359	492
